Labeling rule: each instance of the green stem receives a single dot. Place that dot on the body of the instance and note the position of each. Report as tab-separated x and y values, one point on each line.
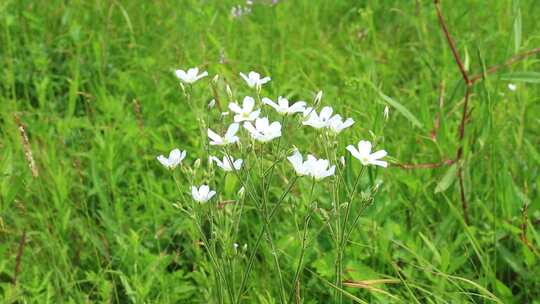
303	248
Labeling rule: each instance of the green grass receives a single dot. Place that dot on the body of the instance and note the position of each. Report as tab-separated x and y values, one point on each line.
99	219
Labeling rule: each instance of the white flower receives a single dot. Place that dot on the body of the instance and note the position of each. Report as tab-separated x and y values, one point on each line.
244	113
282	107
228	163
318	121
298	163
229	138
191	75
316	168
363	153
203	194
253	79
174	159
319	168
263	130
512	87
336	123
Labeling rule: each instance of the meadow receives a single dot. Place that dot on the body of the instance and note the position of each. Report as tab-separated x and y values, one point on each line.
89	98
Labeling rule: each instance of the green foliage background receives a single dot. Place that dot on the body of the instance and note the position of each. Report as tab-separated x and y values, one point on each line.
99	221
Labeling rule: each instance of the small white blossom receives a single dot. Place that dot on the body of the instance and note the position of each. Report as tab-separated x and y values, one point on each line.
244	113
363	153
282	106
253	79
203	194
191	76
336	123
318	121
316	168
512	87
263	130
228	164
229	138
174	159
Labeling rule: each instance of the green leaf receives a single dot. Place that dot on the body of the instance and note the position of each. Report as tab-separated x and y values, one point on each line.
447	179
517	26
531	77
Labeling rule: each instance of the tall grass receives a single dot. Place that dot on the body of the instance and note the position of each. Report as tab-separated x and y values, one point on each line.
98	223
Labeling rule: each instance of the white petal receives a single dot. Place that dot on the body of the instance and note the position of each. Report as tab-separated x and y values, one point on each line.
378	154
202	75
326	112
213	136
195	193
254	115
163	160
203	190
238	164
254	76
354	151
269	102
265	80
183	155
261	124
299	106
233	106
231	131
364	147
283	102
210	195
180	74
248	104
248	126
175	154
349	122
380	163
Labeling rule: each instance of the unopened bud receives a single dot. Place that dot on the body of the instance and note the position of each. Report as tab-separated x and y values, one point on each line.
212	103
215	79
241	192
197	163
386	112
318	98
229	91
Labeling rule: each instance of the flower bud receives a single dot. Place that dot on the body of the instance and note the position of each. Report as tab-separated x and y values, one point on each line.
215	79
317	99
197	163
241	192
229	91
386	112
212	103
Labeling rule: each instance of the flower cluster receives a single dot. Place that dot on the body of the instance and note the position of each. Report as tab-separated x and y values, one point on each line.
262	130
